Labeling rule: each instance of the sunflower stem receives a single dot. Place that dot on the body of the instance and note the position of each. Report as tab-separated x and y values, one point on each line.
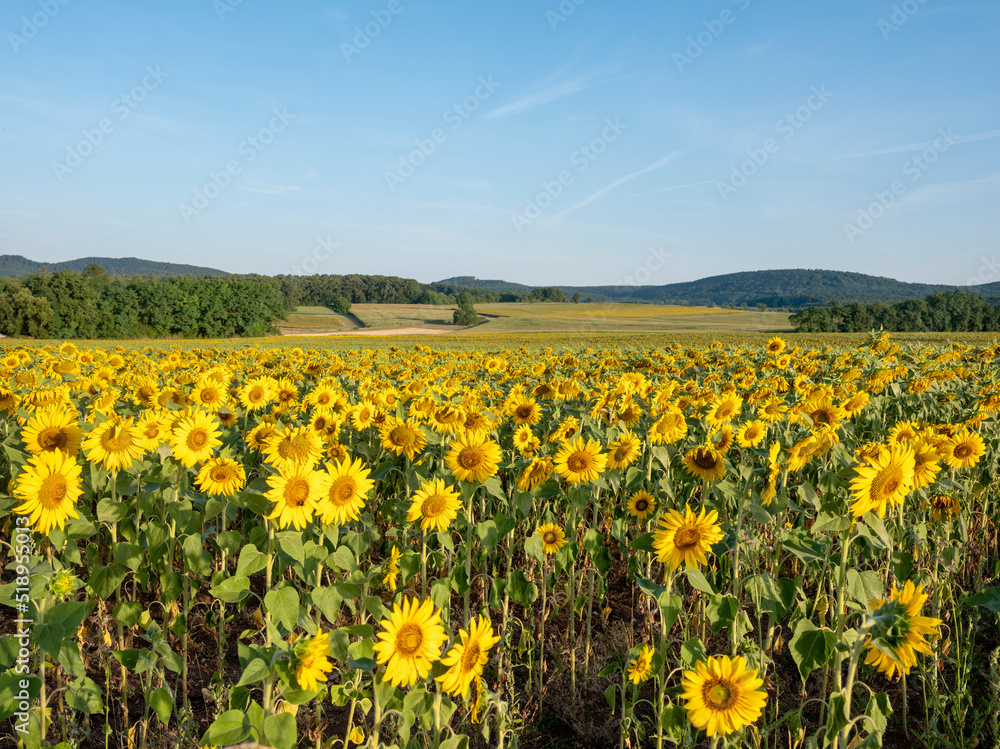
468	556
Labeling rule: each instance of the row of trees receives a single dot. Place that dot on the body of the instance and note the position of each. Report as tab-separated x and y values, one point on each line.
339	292
946	311
67	304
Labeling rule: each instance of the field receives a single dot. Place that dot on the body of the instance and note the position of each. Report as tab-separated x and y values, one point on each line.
315	320
514	318
646	537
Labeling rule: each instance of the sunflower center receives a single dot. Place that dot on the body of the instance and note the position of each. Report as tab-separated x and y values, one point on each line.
963	451
641	504
550	537
433	506
578	462
152	431
256	394
408	639
687	537
323	399
704	460
470	458
295	448
208	395
524	412
622	452
471	656
296	491
52	491
719	695
197	438
116	440
343	490
222	474
887	482
52	438
401	437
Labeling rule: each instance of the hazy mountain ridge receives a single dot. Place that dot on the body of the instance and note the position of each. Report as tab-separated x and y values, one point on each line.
17	265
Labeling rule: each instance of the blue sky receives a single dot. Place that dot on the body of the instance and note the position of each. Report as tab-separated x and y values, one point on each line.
586	142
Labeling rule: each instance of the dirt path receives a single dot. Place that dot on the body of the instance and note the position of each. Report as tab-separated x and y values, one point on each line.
379	331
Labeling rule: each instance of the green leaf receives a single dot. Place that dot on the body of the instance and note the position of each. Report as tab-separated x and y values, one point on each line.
839	718
721	611
799	543
698	581
988	599
162	703
643	543
10	689
283	603
232	589
693	651
609	696
85	696
251	561
50	637
811	646
770	596
127	612
488	534
533	547
104	581
109	511
129	555
328	601
232	727
196	559
877	525
257	670
864	586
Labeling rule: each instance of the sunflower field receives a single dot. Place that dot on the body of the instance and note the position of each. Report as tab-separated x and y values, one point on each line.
730	544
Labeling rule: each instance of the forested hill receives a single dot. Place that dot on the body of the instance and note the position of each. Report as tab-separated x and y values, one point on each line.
16	266
796	288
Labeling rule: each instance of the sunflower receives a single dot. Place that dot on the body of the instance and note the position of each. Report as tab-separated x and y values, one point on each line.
725	409
751	434
435	505
194	438
210	394
925	464
824	413
347	486
403	438
964	449
295	494
52	429
704	462
640	667
775	345
447	420
641	505
553	537
537	471
293	446
392	569
773	471
898	632
362	415
410	643
312	661
669	428
257	393
221	477
722	695
467	658
722	439
903	432
624	451
772	410
686	538
943	506
883	482
526	442
473	458
856	403
48	488
114	444
579	462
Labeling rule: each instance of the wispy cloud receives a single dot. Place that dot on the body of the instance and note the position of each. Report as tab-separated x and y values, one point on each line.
546	91
270	189
477	184
668	189
620	181
957	139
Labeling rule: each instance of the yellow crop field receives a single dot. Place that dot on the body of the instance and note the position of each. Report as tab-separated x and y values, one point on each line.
641	539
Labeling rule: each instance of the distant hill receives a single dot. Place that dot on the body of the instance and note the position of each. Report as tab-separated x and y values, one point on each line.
16	265
471	282
795	288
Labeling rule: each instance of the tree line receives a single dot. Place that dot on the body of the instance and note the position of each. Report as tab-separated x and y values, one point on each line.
93	304
943	312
